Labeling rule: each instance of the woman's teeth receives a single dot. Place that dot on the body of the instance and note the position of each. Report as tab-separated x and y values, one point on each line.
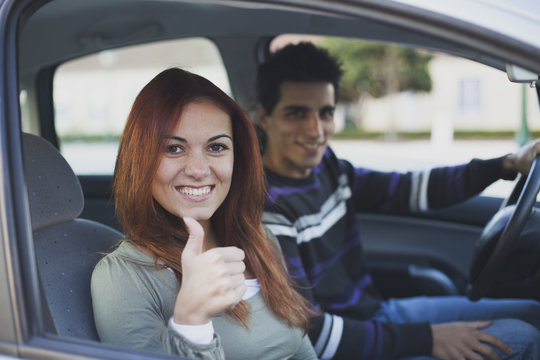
195	191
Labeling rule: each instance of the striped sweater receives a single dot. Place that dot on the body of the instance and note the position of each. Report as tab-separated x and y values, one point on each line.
314	220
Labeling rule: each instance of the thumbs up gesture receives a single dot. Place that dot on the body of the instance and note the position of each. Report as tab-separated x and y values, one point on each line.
212	281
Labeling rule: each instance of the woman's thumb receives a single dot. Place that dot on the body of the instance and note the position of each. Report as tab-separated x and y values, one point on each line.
194	242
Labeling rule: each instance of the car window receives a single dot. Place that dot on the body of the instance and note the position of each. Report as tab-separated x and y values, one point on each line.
93	95
396	121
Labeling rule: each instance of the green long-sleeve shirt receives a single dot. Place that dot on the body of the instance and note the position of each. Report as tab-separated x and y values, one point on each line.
133	301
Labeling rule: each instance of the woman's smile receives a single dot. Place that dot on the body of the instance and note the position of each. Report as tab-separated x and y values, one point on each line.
197	193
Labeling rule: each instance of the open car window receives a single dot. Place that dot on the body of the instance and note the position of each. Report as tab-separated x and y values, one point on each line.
438	110
93	95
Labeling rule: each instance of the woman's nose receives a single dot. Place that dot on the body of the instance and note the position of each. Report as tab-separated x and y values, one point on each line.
196	166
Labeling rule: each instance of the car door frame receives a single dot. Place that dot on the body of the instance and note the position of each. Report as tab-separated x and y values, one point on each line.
22	332
21	305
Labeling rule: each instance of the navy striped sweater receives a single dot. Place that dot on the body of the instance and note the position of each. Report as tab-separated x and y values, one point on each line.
314	220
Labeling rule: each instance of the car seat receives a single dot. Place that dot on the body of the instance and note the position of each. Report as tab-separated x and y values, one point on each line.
66	246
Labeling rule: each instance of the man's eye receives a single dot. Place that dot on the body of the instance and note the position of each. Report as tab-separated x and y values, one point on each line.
174	149
217	148
297	114
327	114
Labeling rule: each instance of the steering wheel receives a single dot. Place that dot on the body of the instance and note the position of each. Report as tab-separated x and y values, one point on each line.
501	234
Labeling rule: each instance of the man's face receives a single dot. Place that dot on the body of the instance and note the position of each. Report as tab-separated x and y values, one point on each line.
299	127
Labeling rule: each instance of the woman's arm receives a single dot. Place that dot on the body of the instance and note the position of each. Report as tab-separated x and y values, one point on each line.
130	301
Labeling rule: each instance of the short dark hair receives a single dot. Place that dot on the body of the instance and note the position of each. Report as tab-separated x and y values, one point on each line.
303	62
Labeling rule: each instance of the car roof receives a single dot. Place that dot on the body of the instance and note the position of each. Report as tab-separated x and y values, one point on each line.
492	32
513	19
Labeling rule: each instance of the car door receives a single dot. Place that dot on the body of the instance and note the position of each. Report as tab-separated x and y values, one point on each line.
13	227
393	243
23	314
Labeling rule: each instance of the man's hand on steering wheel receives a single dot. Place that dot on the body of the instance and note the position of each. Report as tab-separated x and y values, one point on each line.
521	160
500	236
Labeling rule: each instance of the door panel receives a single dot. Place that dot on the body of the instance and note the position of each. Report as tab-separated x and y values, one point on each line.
410	256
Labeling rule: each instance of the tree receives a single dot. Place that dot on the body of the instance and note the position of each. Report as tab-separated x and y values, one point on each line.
377	69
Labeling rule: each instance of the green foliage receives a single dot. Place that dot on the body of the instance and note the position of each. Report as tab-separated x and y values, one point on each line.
378	69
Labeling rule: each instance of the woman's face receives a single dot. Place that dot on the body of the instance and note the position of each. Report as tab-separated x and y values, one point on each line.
196	164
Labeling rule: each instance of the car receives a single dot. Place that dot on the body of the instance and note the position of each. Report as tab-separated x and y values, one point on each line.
62	61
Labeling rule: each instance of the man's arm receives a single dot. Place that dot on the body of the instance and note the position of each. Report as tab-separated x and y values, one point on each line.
419	191
336	337
435	188
452	184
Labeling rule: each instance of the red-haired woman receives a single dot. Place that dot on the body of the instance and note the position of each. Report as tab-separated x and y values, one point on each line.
196	274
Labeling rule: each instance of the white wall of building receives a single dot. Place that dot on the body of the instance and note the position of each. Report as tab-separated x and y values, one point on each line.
465	96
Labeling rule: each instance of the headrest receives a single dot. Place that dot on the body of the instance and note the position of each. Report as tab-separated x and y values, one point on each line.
54	191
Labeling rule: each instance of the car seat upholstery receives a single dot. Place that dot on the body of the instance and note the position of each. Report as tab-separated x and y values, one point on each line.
66	246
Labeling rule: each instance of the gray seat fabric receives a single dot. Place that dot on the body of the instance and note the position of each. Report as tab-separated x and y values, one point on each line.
67	247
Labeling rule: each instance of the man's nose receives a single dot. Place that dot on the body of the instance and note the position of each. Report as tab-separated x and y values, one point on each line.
314	126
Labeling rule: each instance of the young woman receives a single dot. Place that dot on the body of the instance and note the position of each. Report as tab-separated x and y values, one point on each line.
196	274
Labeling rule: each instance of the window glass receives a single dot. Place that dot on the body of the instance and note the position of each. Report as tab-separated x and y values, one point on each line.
395	122
93	95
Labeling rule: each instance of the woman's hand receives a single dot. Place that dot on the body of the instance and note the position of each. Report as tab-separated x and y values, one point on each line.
212	281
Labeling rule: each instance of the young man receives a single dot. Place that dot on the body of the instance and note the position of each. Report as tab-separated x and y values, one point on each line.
311	208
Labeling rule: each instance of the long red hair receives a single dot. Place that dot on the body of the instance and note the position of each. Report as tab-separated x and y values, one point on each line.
237	222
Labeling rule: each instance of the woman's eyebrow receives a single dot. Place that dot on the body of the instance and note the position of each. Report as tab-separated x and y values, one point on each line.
219	136
209	140
178	138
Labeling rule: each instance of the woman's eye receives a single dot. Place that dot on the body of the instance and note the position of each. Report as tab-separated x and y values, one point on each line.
174	149
217	148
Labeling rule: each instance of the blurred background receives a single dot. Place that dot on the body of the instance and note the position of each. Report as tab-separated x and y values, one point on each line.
400	108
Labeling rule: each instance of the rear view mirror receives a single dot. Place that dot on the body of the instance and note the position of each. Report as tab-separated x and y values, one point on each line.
520	75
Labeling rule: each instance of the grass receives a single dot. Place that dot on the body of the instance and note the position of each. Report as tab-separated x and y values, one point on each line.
464	135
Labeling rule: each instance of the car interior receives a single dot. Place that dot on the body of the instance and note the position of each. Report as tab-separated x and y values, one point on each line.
72	214
67	247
